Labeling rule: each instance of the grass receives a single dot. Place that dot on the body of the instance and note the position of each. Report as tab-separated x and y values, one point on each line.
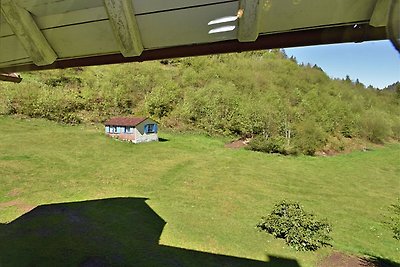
210	197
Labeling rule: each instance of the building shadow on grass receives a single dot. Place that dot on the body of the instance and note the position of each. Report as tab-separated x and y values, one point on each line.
107	232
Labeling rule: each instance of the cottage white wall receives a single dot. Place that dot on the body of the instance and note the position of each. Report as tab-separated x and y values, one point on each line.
120	134
141	136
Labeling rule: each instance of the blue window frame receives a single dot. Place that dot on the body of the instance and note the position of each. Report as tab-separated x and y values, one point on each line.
150	128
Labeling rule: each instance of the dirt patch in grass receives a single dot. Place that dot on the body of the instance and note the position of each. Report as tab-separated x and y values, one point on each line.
20	205
338	259
238	143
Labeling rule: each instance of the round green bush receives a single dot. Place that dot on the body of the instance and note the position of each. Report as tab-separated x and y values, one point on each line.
300	230
268	145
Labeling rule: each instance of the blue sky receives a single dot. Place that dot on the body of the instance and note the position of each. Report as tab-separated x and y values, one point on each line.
373	63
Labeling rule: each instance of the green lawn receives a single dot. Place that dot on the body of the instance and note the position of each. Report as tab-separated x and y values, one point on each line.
203	199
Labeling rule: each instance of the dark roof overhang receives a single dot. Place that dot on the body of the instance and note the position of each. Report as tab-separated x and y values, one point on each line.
305	37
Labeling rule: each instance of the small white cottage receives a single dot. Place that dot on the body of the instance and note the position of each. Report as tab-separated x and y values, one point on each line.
135	130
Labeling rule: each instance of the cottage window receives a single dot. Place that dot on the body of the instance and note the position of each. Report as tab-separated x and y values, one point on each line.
127	130
150	128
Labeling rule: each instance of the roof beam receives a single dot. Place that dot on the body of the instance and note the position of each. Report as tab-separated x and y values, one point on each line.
28	33
249	20
380	16
125	27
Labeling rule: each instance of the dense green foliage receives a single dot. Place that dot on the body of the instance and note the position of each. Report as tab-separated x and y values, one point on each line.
292	108
394	219
301	230
268	145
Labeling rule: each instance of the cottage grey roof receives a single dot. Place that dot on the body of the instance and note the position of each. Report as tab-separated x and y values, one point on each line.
125	121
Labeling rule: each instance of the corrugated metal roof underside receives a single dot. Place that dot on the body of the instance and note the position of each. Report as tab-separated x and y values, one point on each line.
80	29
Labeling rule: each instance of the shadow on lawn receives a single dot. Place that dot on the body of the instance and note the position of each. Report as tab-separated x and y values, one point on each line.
108	232
379	262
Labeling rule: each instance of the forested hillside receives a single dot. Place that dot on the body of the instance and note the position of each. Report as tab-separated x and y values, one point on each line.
285	107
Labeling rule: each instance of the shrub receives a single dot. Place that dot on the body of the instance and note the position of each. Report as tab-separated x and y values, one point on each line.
267	145
63	81
394	219
375	126
301	230
396	128
309	137
4	105
162	100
